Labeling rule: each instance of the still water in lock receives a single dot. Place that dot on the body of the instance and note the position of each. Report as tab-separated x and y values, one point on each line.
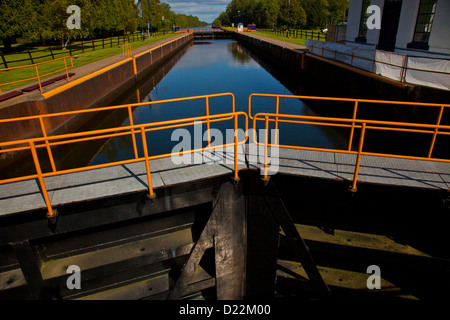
211	67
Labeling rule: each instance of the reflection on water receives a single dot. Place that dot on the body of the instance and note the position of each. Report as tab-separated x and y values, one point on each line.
220	66
210	67
238	53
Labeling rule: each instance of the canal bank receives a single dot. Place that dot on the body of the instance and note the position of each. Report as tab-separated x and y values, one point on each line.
94	85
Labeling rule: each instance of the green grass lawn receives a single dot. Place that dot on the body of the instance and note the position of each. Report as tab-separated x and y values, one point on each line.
272	35
82	59
281	38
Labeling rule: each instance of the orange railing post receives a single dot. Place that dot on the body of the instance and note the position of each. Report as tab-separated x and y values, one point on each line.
67	71
37	75
50	213
358	158
49	150
207	121
133	136
151	194
438	122
355	110
277	110
236	169
266	147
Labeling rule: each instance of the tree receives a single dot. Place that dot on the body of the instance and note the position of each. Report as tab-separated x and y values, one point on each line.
127	15
16	18
337	10
275	13
316	13
294	12
155	13
53	16
269	12
46	20
222	20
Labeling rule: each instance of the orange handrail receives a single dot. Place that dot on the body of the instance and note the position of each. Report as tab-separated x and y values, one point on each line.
35	143
356	103
40	76
374	61
362	124
126	50
48	141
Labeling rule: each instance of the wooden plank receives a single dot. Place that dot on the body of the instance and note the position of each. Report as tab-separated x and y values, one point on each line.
294	238
94	259
133	291
355	239
225	232
343	279
262	249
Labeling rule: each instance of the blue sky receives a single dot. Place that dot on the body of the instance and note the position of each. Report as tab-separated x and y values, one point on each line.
205	10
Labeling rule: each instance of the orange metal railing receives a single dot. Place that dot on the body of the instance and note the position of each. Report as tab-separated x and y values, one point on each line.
404	68
40	76
48	141
126	50
352	124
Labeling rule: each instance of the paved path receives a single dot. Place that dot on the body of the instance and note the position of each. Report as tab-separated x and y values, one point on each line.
277	42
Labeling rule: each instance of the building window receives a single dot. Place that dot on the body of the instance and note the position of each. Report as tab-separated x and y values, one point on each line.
362	35
425	17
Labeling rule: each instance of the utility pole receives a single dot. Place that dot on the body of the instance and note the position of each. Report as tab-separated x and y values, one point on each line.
289	12
150	34
142	21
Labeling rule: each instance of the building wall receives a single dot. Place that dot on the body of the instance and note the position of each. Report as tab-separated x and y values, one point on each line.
354	17
439	40
407	23
374	34
354	12
440	32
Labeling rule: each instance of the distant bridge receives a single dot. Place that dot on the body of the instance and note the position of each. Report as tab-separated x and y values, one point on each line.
210	33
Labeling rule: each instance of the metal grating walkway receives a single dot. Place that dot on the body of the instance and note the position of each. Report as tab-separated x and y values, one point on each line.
118	180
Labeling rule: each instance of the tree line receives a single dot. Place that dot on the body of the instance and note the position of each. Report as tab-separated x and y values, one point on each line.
45	21
309	14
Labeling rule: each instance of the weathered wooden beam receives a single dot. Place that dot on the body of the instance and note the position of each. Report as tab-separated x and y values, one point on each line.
226	233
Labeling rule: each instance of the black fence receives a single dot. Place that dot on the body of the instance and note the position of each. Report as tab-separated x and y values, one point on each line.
298	33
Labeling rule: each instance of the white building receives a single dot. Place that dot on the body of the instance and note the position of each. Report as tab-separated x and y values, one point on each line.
413	27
